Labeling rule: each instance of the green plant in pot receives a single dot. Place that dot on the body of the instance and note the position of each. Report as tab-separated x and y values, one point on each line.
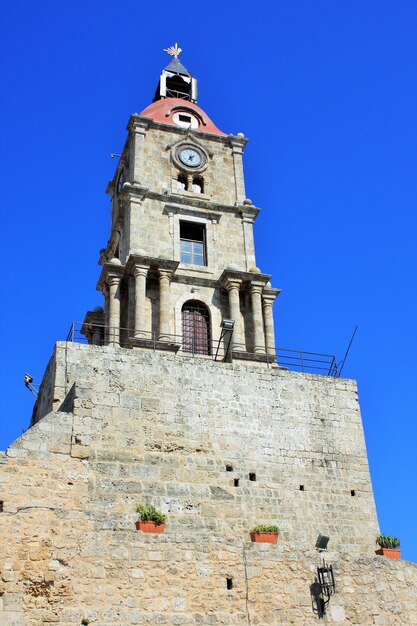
151	520
264	533
388	546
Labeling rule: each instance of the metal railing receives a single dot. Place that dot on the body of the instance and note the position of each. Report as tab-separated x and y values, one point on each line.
220	350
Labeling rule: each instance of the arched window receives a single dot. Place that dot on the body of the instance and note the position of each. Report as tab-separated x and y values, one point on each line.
196	327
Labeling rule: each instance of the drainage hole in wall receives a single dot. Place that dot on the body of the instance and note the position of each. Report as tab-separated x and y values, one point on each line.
1	506
229	583
229	468
236	482
252	476
352	492
301	487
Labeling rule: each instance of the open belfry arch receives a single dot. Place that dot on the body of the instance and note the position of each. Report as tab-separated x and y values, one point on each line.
173	395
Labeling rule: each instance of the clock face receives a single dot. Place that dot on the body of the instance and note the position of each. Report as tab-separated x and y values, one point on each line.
190	157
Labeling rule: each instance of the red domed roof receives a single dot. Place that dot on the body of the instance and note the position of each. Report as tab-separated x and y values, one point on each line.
164	110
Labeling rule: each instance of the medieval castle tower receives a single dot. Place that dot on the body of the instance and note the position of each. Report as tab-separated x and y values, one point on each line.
176	398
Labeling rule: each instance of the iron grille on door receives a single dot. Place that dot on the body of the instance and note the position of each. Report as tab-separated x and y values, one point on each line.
195	328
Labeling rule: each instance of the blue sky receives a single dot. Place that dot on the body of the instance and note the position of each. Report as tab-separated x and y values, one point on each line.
327	93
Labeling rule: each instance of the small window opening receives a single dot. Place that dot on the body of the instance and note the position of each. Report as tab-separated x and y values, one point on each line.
198	184
236	482
184	118
352	492
181	183
252	476
193	243
177	87
229	468
1	506
301	487
229	583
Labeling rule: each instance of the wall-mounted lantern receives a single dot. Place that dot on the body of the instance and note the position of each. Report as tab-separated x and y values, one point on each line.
326	579
322	589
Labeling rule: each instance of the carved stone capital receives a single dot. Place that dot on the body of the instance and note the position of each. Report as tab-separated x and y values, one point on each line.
232	283
140	270
256	287
269	296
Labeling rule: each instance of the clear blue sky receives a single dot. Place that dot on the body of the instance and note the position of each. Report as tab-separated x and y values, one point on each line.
326	91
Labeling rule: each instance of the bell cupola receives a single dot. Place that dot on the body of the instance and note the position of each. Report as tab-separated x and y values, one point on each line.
175	80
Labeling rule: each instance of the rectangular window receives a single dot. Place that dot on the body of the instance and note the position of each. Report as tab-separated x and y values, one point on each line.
193	243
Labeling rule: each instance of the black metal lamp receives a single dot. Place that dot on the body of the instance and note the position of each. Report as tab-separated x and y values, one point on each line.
226	336
325	577
227	324
321	543
322	589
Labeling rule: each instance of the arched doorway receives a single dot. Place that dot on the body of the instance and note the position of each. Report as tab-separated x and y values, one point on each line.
196	336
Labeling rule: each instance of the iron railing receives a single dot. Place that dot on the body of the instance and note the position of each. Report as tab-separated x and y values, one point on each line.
220	350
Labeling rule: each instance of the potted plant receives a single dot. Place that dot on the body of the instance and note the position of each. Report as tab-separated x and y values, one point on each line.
151	520
388	546
265	534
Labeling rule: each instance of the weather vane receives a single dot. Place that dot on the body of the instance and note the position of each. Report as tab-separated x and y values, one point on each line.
173	50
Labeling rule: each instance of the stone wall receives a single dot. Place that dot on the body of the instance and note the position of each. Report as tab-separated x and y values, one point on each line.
157	428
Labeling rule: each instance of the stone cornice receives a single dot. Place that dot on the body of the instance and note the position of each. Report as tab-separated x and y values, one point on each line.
133	190
153	263
190	210
237	141
245	277
270	293
177	202
136	191
135	118
110	270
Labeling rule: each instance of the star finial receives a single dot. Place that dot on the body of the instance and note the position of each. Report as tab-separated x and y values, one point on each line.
173	50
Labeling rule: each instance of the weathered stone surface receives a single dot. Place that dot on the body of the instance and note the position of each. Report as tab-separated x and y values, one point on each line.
69	547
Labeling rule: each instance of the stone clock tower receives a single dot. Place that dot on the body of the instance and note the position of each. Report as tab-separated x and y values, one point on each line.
181	254
173	398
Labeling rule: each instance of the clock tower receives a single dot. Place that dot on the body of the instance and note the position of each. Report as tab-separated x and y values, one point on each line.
181	256
174	412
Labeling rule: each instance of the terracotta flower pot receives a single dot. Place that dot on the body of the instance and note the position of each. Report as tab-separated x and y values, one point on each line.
390	553
264	537
150	527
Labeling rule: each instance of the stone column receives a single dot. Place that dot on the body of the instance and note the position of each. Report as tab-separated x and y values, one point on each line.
164	305
258	322
97	336
267	304
140	272
114	310
106	314
233	286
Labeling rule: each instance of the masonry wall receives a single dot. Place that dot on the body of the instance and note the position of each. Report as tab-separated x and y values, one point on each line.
151	427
